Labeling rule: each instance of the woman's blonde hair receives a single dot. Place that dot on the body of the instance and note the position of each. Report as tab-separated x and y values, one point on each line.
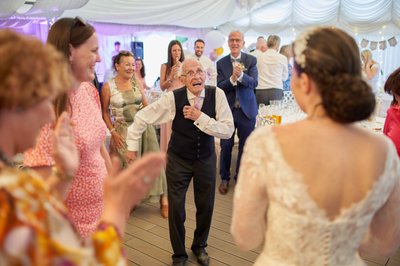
29	71
367	54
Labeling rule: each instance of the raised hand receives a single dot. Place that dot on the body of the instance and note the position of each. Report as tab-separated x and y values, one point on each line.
190	112
237	70
124	189
65	152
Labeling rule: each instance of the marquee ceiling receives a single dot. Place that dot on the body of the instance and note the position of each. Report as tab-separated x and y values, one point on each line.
264	16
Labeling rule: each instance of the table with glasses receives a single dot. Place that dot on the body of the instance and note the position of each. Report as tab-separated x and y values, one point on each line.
287	111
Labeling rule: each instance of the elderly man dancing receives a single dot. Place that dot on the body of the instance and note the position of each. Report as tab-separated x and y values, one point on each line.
198	114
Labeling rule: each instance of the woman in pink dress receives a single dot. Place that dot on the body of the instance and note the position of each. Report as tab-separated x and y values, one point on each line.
84	198
169	81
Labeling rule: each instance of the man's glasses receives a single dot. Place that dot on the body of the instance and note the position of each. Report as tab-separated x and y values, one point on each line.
234	40
192	74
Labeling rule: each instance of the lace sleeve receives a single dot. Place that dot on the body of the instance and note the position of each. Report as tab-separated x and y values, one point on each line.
383	237
250	198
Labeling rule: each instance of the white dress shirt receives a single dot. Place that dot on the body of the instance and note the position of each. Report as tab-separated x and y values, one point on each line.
163	110
272	70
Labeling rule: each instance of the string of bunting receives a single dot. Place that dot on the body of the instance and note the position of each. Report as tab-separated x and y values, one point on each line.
373	45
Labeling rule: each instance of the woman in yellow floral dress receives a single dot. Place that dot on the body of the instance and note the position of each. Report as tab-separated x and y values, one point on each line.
121	97
35	228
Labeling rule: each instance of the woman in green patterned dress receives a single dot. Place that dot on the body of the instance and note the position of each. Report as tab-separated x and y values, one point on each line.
121	97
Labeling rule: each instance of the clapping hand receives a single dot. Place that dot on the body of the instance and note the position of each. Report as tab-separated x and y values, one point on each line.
237	71
65	152
124	189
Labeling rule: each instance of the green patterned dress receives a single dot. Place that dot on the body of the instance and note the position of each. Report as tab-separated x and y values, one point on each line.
123	108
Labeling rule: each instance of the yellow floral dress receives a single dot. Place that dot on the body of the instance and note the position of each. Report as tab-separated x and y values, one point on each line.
35	228
123	107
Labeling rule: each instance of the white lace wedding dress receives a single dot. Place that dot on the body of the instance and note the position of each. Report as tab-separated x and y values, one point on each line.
276	209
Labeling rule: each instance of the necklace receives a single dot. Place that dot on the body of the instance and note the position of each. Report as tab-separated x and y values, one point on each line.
5	160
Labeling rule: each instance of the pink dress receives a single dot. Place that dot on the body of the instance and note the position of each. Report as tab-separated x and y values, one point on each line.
85	196
166	128
392	126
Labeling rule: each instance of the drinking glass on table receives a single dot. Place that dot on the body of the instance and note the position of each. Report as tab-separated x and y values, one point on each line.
276	106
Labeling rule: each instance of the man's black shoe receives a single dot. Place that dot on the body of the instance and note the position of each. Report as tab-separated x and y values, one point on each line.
179	261
202	256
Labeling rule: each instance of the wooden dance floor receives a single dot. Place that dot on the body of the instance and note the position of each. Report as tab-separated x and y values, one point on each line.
147	240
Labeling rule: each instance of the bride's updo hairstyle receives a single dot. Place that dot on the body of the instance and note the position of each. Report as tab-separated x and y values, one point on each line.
330	57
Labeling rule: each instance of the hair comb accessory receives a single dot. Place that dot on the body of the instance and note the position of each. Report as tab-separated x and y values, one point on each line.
300	45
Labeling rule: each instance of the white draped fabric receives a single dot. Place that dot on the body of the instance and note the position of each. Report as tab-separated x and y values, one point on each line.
37	8
8	7
261	16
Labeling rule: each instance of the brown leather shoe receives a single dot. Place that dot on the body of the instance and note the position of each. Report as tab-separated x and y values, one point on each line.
223	187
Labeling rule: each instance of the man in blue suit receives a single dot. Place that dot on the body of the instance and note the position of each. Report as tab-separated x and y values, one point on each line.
238	78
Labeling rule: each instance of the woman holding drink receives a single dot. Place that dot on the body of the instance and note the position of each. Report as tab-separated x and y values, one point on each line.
169	81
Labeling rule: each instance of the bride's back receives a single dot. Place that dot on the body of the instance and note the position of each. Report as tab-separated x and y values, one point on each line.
318	187
338	164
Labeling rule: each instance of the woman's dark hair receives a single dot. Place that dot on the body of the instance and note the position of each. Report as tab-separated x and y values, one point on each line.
171	60
63	33
142	70
117	58
392	85
332	61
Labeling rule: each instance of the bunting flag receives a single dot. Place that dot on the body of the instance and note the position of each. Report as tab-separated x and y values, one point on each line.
392	41
364	43
373	45
382	45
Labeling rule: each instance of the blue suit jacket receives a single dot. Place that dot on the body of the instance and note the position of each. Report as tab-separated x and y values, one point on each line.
245	89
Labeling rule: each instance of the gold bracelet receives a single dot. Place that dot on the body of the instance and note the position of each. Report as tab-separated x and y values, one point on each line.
55	171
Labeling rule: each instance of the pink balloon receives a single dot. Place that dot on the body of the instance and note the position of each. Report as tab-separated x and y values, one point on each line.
213	56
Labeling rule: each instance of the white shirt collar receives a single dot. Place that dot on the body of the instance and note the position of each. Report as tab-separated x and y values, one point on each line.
239	56
191	96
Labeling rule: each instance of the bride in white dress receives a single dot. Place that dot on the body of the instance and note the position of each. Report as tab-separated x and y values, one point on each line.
321	191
